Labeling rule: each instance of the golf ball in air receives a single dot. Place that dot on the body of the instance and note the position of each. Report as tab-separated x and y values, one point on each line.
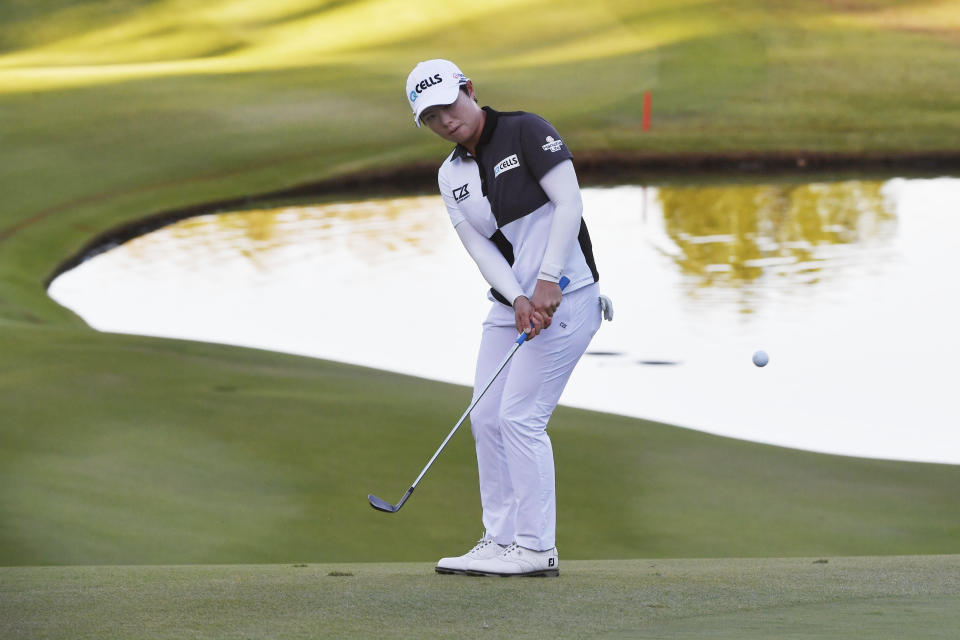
760	358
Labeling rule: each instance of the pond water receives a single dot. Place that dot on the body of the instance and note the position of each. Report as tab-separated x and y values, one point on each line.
850	286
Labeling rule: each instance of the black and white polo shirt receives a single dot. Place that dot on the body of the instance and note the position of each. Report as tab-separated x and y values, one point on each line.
499	193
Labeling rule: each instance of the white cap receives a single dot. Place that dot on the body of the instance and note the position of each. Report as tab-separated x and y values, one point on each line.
431	83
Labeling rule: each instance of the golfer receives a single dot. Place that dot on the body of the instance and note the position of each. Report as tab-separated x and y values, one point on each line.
511	191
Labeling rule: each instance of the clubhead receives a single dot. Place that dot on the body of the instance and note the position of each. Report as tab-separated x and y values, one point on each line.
380	504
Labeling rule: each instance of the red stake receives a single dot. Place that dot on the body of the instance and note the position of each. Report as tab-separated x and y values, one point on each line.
646	111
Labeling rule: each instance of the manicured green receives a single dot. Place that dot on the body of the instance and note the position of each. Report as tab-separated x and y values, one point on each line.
877	598
129	450
122	450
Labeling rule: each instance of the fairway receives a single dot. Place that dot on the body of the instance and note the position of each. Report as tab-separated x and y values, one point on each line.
861	597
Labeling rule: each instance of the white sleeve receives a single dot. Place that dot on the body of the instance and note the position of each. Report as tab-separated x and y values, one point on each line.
493	266
560	185
456	217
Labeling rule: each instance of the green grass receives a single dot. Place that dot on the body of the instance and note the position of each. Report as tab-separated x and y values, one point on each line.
129	450
877	598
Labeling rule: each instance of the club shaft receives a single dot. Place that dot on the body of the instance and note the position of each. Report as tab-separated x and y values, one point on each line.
473	404
564	281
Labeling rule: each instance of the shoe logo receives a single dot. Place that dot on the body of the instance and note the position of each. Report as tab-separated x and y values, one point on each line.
552	562
461	193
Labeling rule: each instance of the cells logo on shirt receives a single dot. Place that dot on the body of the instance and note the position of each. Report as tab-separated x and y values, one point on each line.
461	193
552	145
510	162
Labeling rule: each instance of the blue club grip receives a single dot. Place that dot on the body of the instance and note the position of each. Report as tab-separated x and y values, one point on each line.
564	281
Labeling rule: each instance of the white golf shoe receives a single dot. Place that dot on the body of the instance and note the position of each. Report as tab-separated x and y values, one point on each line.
518	561
483	550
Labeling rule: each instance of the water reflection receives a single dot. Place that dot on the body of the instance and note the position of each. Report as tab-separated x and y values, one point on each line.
732	237
378	230
839	281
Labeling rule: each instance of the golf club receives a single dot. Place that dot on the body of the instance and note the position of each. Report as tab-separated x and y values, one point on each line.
382	505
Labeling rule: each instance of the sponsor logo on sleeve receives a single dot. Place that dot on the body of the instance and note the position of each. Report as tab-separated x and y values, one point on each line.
510	162
552	145
461	193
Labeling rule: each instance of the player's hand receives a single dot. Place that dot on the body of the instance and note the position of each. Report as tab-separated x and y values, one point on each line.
546	298
528	319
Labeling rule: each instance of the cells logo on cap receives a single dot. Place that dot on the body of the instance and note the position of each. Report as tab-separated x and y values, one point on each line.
426	83
413	96
552	145
510	162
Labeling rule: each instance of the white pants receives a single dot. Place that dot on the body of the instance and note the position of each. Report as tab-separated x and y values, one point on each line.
514	454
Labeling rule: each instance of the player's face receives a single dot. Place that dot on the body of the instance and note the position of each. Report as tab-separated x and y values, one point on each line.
459	122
